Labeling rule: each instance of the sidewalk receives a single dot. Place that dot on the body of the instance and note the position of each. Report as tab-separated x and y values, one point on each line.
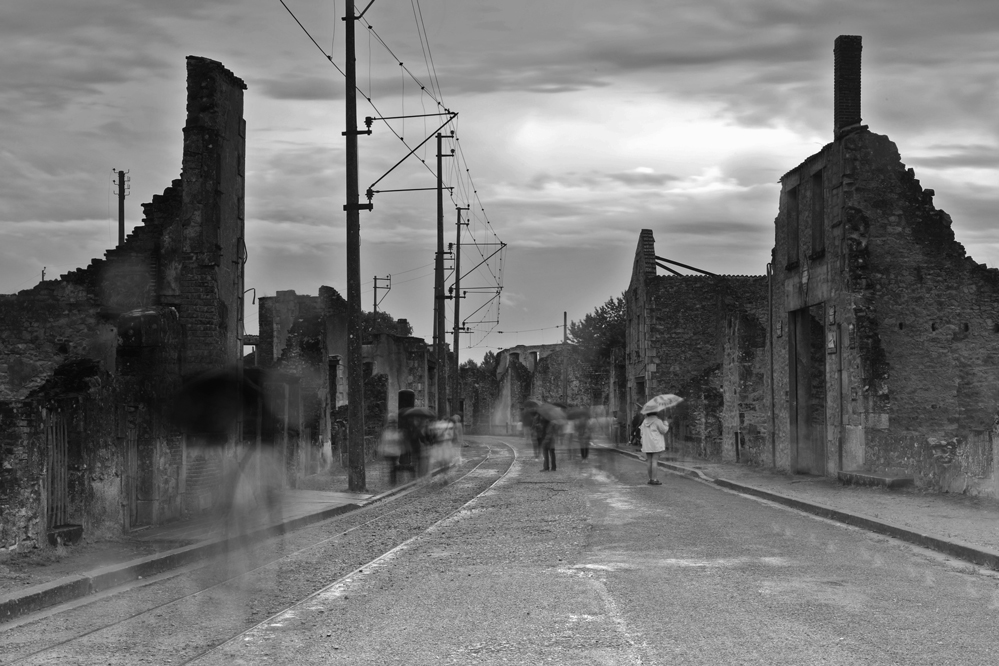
54	577
961	526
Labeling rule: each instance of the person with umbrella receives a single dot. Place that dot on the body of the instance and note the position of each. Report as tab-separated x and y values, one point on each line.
654	430
548	423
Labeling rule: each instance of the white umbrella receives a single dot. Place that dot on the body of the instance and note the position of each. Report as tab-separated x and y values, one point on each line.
661	402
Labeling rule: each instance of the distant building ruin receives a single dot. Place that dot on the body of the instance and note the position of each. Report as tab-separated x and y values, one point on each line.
701	337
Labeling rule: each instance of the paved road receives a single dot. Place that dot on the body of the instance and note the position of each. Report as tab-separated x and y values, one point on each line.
588	565
592	566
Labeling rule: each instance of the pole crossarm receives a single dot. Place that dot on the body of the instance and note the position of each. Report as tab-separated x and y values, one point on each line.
368	119
358	17
502	245
407	189
465	321
677	263
453	115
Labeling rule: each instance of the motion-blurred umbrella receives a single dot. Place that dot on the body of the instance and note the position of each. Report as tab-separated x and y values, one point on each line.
661	402
550	412
413	412
576	413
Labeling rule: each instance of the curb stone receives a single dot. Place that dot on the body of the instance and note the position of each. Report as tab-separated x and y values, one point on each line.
70	588
969	553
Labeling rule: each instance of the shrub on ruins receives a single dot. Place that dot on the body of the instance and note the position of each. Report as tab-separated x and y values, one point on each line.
600	332
373	323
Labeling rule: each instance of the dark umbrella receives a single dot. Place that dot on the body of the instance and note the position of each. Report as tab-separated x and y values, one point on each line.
414	412
576	413
550	412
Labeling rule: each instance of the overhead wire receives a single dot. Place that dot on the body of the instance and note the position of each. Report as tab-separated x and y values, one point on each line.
436	94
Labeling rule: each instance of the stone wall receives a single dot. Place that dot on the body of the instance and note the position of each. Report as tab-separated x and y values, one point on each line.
167	301
910	321
703	338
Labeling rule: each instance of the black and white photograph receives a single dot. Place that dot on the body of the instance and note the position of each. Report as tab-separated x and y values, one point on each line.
647	332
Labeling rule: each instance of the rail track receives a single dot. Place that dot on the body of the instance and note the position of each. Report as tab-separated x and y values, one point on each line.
180	616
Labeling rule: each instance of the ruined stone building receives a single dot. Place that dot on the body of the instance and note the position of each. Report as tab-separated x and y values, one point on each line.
886	333
88	361
702	337
531	372
870	346
302	347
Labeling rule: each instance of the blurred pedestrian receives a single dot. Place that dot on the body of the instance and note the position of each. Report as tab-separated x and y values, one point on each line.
459	430
654	431
391	446
547	433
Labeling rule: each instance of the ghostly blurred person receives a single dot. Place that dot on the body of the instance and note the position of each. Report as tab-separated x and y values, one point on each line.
391	447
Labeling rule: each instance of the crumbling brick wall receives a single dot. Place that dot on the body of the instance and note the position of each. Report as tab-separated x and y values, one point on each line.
911	320
186	257
700	337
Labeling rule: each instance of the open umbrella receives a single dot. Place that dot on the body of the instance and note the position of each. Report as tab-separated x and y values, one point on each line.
661	402
414	412
550	412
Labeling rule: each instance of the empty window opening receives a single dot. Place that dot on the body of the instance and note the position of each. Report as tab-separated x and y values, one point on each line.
791	218
818	215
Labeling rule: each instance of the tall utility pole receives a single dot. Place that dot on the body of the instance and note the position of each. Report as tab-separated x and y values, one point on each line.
565	358
440	357
355	374
456	383
386	289
122	193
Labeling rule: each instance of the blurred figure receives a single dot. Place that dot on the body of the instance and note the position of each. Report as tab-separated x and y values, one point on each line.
414	423
549	420
527	414
459	431
445	451
579	417
391	447
636	433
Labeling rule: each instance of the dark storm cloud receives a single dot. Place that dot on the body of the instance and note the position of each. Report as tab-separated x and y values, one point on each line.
642	179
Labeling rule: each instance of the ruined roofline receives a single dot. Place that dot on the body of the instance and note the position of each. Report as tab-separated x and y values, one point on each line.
710	277
201	61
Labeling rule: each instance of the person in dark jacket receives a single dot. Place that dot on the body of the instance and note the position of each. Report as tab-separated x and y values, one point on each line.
546	433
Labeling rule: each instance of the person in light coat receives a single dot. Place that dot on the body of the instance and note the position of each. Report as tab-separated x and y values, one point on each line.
654	430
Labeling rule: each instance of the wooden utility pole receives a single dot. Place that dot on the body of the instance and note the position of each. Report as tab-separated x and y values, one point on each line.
565	358
440	356
121	207
355	374
456	383
386	289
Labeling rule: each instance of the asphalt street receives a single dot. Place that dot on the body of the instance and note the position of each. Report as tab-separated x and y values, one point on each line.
586	565
590	565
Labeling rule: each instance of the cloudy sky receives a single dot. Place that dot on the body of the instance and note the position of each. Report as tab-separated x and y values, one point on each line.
580	123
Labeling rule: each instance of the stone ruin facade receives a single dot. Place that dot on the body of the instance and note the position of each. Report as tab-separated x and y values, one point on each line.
886	332
89	361
869	346
302	346
701	337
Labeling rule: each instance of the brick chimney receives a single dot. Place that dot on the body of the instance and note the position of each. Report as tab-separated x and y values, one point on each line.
846	84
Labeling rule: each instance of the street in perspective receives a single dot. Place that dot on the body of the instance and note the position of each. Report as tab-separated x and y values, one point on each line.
496	561
520	333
